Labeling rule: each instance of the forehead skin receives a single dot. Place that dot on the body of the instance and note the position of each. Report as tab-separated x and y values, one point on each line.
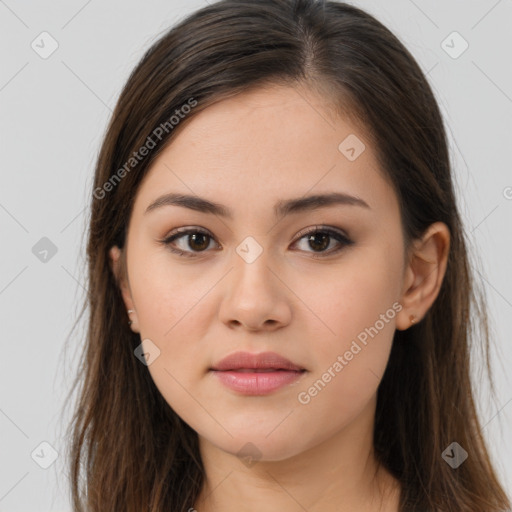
252	150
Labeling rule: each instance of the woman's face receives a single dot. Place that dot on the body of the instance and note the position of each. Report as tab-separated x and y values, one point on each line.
256	282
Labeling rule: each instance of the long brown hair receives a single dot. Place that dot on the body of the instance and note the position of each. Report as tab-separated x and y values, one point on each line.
128	449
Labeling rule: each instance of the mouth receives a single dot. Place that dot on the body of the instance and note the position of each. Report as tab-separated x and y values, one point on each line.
256	374
247	361
257	381
260	370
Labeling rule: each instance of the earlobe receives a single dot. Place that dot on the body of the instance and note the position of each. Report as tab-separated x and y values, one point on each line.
424	275
115	262
114	255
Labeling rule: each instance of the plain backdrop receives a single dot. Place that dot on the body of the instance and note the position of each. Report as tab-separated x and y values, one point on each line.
53	113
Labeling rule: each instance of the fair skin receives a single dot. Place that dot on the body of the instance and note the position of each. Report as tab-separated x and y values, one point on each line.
299	299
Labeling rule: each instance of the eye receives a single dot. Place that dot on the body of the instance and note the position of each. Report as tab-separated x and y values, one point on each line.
199	240
320	238
196	238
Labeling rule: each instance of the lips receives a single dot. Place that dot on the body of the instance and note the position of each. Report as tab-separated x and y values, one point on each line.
256	374
262	362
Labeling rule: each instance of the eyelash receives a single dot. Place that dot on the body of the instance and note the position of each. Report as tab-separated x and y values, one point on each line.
338	236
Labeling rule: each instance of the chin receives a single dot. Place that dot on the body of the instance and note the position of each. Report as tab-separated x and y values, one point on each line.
251	446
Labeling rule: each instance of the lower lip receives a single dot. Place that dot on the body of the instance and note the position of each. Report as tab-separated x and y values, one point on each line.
257	383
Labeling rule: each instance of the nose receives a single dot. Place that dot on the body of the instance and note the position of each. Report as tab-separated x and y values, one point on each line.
254	297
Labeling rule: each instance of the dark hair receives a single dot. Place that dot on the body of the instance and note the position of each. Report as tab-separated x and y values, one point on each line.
136	453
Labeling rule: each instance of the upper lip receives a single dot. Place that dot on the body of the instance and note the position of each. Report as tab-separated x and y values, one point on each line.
247	360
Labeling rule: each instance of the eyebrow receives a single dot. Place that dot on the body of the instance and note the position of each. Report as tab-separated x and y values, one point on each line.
281	208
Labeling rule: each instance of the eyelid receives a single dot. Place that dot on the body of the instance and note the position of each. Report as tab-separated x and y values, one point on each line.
322	228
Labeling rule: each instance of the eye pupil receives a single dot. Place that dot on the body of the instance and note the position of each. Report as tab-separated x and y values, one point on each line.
324	236
195	236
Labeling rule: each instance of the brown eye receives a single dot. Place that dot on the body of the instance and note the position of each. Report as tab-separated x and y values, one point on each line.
319	239
193	240
198	241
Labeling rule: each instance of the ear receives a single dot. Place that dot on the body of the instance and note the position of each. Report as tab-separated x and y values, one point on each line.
424	274
117	263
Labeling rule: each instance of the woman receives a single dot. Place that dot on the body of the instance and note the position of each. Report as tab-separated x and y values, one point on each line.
280	297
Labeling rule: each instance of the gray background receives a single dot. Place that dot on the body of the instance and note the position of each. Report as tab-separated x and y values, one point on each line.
53	113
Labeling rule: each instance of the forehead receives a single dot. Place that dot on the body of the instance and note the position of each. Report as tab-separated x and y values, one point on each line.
254	149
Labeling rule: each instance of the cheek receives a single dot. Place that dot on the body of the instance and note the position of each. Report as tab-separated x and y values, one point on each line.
166	295
352	296
173	311
357	307
350	363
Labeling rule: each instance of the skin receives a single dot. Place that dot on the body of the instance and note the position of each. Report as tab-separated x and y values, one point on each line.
247	153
